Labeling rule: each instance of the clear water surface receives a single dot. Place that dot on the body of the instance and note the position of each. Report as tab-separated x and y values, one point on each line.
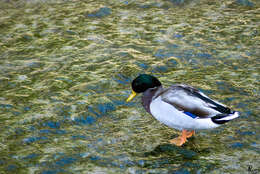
65	73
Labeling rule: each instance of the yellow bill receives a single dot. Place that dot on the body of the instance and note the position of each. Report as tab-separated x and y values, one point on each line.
131	96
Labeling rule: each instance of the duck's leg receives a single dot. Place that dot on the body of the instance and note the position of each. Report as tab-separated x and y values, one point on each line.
181	139
190	133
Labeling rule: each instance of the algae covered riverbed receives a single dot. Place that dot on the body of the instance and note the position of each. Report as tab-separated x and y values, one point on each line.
66	69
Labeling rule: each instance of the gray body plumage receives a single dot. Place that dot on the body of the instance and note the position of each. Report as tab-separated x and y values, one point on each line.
184	107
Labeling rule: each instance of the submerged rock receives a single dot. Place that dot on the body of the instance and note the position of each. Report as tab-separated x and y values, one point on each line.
172	150
245	3
102	12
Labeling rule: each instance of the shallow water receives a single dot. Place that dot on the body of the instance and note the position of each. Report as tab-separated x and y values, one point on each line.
66	69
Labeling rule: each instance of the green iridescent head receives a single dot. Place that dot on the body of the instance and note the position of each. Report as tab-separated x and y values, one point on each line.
142	83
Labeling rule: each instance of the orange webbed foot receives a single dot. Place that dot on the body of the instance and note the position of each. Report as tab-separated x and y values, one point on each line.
190	133
179	141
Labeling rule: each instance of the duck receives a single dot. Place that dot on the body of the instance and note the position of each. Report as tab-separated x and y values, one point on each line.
180	106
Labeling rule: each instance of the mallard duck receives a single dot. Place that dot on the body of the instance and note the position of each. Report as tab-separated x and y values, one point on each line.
180	106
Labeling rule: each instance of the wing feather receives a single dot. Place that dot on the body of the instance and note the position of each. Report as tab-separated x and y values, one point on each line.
189	99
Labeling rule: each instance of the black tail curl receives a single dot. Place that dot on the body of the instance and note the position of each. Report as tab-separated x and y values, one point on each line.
223	118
